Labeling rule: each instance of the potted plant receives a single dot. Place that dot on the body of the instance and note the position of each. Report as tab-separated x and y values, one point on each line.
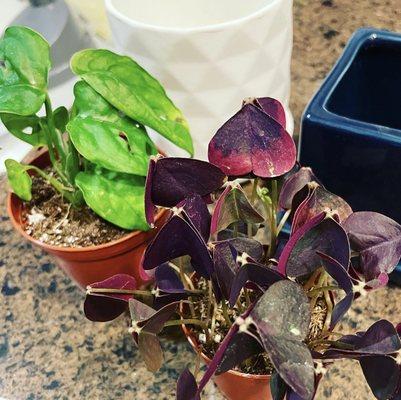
81	197
260	309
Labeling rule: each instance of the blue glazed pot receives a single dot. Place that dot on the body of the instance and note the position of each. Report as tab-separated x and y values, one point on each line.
351	130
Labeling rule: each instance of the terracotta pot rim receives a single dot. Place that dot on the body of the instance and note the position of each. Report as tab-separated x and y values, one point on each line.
71	250
30	158
194	343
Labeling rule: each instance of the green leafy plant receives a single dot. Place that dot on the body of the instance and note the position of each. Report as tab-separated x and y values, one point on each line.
99	150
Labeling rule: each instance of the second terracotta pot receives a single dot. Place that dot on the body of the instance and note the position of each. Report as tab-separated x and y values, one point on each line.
233	384
90	264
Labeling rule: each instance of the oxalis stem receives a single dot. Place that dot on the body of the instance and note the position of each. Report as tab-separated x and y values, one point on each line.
186	321
92	290
323	288
253	198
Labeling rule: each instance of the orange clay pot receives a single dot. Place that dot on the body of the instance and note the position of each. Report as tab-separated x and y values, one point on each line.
233	384
86	265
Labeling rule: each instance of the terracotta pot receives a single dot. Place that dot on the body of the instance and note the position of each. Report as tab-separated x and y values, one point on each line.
90	264
233	384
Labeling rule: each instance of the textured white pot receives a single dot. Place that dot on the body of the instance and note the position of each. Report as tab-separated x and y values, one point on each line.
209	68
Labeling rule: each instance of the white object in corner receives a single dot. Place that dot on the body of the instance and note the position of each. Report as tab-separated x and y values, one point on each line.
208	54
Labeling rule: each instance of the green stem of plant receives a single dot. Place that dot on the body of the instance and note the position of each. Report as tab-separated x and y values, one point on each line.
225	312
63	190
253	198
56	137
185	321
273	218
91	290
323	288
337	345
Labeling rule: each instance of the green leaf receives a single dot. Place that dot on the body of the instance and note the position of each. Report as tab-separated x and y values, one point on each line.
118	198
26	128
100	143
130	89
124	145
61	118
19	179
24	68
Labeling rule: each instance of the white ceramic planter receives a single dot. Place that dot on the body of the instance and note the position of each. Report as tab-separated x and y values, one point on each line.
208	54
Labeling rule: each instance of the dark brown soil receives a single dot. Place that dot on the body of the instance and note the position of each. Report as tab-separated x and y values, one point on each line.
54	221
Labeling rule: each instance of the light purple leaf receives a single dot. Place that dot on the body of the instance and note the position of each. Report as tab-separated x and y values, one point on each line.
231	207
151	351
321	233
320	200
294	184
252	142
102	307
177	238
378	240
272	107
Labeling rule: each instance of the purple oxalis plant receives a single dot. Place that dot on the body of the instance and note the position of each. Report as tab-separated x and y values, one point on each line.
244	291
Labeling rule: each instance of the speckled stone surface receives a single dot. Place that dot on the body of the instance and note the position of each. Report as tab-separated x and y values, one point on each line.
47	348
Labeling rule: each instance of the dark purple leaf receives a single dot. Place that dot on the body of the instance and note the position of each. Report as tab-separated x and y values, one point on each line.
225	266
320	200
322	233
251	247
260	275
272	107
102	307
378	240
231	207
341	276
216	361
155	323
294	184
282	317
196	210
382	373
380	339
174	179
252	142
241	347
278	387
186	386
177	238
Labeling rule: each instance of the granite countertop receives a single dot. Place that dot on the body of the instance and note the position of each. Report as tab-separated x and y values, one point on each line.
48	350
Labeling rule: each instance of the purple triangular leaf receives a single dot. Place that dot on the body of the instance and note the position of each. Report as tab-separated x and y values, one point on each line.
260	275
383	375
241	347
294	184
320	200
155	323
272	107
378	240
321	233
186	386
282	317
177	238
167	281
173	179
278	387
341	276
150	350
252	142
102	307
231	207
195	209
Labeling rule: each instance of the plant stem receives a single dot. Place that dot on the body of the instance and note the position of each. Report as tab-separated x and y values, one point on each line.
283	221
92	290
185	321
54	134
225	312
253	198
273	218
323	288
